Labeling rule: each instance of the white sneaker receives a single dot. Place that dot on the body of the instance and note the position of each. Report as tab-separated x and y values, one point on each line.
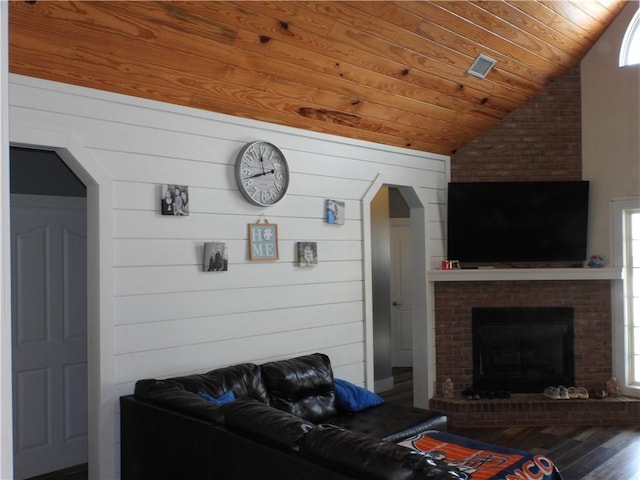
563	393
552	393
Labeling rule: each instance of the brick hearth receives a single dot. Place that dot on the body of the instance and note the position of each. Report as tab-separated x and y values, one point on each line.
536	409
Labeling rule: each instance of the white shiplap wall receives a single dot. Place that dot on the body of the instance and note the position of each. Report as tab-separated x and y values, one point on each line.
156	312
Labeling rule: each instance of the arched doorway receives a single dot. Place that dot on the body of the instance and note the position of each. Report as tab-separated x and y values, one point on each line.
100	402
378	304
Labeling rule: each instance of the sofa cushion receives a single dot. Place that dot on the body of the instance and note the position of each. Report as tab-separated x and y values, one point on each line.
302	386
265	424
352	398
183	393
368	458
390	421
245	380
173	395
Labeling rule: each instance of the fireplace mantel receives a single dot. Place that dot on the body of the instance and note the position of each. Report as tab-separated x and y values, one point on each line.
511	274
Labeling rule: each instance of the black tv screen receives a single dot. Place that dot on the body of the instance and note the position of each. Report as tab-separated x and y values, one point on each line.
509	222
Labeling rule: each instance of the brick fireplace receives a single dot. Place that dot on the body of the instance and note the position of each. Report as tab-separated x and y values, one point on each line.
591	301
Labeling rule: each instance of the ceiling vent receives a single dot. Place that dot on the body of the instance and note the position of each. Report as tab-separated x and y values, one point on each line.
481	66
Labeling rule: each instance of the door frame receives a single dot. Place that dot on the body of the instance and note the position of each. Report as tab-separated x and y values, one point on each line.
422	301
101	399
6	394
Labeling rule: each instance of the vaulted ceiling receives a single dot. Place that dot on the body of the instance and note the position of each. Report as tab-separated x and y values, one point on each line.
392	72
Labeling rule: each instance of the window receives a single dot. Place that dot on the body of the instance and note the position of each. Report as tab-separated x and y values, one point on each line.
632	294
626	293
630	50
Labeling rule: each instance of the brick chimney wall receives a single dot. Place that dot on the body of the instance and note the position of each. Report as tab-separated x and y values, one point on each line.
539	141
542	140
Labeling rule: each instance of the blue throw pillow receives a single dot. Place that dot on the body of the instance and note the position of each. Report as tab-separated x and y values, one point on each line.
353	398
226	398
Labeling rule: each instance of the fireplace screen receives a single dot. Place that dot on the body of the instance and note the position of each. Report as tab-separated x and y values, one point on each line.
522	349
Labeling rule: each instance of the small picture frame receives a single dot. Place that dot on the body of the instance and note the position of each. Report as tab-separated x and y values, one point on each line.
307	254
263	241
174	200
334	211
216	257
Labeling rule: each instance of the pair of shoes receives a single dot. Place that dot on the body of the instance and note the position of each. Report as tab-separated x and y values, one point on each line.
470	394
598	393
556	393
579	392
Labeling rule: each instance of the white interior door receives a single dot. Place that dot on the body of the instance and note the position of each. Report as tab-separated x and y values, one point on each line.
49	340
401	313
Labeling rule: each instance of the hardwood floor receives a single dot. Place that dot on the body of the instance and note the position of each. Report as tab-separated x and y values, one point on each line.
581	453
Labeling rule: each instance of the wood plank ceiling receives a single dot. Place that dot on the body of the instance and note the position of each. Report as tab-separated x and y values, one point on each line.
392	72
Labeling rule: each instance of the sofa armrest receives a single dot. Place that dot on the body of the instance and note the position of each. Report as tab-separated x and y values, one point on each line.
243	379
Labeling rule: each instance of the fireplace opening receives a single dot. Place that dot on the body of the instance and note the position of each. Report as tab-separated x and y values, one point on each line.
522	349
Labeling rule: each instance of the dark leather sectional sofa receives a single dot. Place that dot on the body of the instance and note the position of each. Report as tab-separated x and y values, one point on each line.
284	423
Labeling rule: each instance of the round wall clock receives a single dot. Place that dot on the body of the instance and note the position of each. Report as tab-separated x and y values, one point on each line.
262	173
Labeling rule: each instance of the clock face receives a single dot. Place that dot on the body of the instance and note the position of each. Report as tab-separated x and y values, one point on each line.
262	173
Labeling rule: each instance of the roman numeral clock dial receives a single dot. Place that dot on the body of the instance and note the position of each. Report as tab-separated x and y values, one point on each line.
262	173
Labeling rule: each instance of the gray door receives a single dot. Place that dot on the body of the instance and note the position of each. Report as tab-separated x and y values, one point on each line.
49	340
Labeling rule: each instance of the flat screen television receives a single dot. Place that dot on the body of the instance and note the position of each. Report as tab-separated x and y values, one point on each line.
516	222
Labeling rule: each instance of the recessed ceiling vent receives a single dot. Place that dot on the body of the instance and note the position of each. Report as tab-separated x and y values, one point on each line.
481	66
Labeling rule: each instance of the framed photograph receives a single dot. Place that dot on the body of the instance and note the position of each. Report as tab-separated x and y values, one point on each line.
307	254
174	200
263	241
334	211
216	257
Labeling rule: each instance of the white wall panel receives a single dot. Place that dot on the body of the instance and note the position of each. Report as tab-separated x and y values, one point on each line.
347	356
204	199
174	279
166	306
164	315
138	365
142	336
137	224
136	167
351	373
149	252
